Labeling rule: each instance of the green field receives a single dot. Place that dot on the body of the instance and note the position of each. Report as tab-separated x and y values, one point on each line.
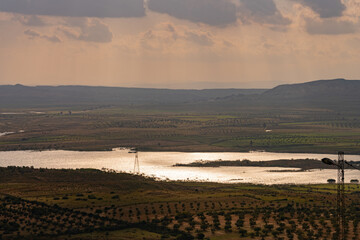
152	130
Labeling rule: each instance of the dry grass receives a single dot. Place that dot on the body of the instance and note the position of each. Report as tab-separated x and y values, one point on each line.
110	202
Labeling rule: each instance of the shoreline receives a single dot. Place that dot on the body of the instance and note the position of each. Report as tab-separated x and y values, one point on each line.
299	165
151	150
230	182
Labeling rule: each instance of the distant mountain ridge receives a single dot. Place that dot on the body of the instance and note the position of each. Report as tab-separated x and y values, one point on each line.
42	96
336	94
321	88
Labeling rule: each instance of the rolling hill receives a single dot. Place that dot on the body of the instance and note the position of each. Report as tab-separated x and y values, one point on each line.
19	96
336	94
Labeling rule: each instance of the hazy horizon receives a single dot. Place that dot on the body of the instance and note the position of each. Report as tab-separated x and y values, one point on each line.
187	44
241	86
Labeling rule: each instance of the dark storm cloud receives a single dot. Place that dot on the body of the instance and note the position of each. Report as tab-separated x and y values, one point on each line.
211	12
325	8
220	12
76	8
262	11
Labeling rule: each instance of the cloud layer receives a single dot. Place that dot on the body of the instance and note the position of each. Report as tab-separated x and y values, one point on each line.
330	27
88	30
218	13
76	8
212	12
33	34
325	8
262	11
81	19
31	20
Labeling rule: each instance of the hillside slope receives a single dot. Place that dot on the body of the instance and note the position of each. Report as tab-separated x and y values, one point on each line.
337	94
13	96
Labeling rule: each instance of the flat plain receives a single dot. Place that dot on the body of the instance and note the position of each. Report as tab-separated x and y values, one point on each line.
104	129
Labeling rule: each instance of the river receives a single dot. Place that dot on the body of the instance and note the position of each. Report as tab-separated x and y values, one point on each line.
159	165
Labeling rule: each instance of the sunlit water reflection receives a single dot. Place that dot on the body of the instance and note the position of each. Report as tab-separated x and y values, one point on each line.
159	164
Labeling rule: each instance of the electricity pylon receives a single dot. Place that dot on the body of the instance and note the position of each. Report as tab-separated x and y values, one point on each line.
340	203
136	163
340	199
341	196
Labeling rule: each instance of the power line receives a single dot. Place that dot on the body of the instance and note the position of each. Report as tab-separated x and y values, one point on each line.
352	165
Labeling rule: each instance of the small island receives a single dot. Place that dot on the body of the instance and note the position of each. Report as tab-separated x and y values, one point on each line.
301	164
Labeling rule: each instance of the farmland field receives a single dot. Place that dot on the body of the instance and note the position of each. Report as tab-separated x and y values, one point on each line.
103	129
90	204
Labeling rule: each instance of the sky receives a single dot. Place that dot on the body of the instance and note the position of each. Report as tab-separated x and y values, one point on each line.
178	43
